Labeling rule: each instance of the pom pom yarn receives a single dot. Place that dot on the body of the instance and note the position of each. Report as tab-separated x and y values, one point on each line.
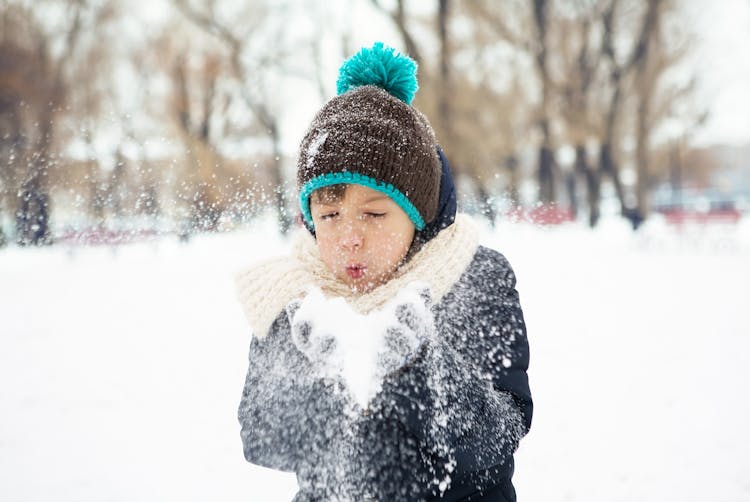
383	67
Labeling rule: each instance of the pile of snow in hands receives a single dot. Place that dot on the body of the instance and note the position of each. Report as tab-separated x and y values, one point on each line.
361	349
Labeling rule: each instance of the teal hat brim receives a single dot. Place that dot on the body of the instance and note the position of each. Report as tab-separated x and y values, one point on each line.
348	177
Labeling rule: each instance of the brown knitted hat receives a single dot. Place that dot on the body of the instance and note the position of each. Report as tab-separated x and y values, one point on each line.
370	137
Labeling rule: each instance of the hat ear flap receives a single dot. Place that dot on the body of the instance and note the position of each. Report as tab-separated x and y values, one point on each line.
309	226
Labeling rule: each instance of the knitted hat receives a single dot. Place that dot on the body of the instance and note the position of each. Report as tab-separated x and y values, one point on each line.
371	135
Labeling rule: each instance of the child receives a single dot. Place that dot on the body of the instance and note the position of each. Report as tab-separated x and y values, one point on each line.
452	398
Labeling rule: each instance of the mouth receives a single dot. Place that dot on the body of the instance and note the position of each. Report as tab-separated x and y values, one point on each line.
356	271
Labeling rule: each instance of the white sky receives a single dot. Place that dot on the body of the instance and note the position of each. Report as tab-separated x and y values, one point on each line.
722	60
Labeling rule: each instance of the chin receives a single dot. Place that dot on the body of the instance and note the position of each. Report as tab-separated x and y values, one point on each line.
344	278
358	285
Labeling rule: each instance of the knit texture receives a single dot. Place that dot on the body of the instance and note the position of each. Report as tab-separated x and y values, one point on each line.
368	131
382	66
266	288
336	178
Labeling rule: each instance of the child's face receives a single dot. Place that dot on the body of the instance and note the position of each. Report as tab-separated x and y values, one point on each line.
362	236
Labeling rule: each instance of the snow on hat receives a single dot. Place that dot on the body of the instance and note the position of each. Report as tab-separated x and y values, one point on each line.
369	134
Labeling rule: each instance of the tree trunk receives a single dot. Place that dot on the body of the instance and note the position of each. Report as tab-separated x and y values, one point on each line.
675	175
645	82
511	163
398	17
571	189
278	181
32	217
618	73
583	168
485	204
411	45
546	175
117	185
607	166
33	213
641	158
444	110
546	161
444	94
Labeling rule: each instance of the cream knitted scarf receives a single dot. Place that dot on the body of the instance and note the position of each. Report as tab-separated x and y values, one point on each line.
266	288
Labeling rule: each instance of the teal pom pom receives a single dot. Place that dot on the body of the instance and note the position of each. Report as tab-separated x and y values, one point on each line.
381	66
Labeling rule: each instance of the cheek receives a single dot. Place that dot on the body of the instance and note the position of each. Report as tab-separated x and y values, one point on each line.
326	246
391	245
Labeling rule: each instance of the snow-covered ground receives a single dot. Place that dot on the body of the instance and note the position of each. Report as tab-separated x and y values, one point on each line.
121	370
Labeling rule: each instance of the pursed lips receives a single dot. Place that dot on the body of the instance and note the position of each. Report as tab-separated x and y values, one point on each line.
356	270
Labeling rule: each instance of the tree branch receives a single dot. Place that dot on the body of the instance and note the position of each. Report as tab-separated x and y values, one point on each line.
398	16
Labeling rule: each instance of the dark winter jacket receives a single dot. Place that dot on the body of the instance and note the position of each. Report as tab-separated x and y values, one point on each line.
446	424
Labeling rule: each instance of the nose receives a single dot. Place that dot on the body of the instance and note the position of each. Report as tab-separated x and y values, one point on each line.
352	235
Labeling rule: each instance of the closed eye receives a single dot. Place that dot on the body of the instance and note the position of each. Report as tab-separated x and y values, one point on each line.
375	215
329	216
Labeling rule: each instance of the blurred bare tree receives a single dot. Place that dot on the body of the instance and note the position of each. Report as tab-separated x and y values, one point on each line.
476	121
254	39
45	69
592	59
525	27
549	101
33	89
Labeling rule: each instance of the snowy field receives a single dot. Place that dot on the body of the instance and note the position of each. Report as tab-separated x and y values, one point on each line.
121	370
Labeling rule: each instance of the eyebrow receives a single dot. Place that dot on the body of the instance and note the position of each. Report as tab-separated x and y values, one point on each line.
333	203
330	203
375	198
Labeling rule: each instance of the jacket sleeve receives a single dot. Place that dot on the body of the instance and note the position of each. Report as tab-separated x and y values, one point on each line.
284	412
503	350
468	393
